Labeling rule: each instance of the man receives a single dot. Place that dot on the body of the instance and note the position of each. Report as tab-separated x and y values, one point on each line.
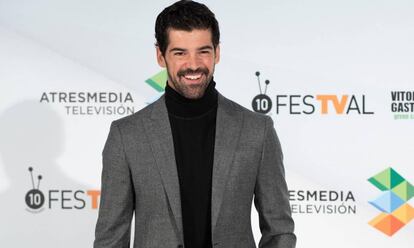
190	163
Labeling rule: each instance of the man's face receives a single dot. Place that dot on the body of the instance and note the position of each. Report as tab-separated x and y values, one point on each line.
190	58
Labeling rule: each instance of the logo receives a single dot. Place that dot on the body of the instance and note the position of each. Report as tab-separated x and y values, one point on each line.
158	81
310	104
262	102
67	199
402	105
91	103
332	202
393	202
35	198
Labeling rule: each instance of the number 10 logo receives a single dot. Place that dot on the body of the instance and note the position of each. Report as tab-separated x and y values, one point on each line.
262	102
35	198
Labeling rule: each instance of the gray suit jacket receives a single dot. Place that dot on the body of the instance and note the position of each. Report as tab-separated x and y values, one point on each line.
139	174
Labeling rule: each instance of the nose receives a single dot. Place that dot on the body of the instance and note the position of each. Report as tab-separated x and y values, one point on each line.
193	61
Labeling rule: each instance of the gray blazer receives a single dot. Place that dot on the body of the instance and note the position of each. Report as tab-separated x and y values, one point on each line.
139	175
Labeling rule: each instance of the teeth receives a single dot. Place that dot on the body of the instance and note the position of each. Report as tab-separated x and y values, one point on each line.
193	77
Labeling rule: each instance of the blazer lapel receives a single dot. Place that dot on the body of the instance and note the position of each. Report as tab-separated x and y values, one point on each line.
228	126
160	137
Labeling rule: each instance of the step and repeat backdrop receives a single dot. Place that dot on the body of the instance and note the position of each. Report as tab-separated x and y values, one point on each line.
337	77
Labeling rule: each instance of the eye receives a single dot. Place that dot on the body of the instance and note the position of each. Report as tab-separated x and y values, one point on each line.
179	53
205	51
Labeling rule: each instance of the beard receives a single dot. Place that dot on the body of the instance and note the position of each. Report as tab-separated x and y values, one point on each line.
191	91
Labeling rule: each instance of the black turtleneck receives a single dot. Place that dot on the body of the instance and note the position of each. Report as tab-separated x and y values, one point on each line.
193	126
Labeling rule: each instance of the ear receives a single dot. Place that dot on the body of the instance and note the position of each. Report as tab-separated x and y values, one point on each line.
160	57
217	54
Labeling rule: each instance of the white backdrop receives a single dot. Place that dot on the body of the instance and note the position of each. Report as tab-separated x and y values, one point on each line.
54	53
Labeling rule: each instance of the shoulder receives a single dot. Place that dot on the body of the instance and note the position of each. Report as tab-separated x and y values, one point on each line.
255	127
137	117
249	116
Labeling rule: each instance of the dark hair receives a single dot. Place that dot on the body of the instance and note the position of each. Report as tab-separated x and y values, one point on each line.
185	15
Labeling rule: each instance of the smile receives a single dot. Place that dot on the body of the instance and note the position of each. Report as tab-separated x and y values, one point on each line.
193	77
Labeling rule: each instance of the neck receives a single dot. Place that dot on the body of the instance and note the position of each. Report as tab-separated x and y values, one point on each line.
181	106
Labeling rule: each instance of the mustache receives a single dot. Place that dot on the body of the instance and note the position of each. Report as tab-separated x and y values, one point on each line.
203	70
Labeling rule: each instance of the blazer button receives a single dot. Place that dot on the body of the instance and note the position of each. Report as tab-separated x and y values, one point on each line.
180	246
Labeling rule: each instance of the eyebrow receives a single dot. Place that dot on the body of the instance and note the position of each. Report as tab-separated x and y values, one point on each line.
205	47
178	49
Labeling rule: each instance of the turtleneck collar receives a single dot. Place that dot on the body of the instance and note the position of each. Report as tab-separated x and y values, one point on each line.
181	106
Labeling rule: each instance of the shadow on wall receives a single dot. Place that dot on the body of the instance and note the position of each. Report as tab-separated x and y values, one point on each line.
32	135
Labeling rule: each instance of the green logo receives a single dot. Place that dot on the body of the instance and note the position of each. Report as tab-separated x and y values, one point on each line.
393	201
158	81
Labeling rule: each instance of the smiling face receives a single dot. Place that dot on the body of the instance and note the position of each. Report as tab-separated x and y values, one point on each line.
190	58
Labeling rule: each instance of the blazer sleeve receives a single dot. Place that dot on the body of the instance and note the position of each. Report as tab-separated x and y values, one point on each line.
271	197
117	195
